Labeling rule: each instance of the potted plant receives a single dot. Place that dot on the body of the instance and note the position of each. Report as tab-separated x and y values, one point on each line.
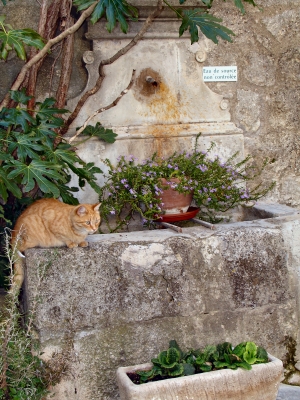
219	372
213	185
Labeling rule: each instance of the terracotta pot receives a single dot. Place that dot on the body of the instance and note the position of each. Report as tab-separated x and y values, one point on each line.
260	383
173	201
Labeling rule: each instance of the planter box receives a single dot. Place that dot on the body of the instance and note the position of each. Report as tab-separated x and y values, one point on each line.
260	383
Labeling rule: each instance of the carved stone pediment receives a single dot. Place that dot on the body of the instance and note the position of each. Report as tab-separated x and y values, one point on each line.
168	86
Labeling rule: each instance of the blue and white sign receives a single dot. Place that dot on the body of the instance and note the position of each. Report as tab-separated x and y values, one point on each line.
220	74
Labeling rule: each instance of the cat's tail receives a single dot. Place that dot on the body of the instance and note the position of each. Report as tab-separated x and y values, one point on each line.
18	274
16	257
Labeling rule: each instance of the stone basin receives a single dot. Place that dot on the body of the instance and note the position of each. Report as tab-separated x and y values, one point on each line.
119	301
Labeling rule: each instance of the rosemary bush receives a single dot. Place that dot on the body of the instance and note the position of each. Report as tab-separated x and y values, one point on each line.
217	186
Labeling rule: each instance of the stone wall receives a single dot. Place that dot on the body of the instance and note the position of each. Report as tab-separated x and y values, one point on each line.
119	301
261	108
265	99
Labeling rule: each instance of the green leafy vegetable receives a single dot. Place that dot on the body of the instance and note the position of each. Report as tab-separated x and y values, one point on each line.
174	362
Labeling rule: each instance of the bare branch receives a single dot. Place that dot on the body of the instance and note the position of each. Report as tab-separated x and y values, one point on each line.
66	63
47	28
45	50
110	60
113	104
53	67
138	36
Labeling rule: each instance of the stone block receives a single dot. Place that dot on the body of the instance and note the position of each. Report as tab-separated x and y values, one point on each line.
122	299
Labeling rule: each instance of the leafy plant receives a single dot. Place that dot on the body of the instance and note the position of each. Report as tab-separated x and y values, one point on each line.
208	24
217	185
15	39
22	373
117	10
191	19
174	362
31	163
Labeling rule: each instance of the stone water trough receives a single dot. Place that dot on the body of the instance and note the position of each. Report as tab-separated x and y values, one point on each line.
119	301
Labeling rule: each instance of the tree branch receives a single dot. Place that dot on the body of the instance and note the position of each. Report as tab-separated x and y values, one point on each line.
108	61
113	104
66	61
47	27
45	50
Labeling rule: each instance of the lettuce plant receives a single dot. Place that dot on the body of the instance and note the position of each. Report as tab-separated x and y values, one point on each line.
173	362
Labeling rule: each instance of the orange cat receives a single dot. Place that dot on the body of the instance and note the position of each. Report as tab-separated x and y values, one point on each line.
51	223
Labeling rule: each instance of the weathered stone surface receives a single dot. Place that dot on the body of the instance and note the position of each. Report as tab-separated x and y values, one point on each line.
260	70
125	296
264	101
283	25
248	110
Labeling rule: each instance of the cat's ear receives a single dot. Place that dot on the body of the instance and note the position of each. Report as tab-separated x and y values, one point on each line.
96	206
81	210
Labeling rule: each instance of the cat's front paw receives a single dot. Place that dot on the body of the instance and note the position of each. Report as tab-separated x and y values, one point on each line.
72	244
83	244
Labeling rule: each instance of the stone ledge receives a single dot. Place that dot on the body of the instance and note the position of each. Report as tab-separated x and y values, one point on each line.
127	295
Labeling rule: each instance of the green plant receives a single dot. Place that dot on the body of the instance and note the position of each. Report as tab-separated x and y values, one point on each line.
218	186
32	165
35	162
24	373
21	369
174	362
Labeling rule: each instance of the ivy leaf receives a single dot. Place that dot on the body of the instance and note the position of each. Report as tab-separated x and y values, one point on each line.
44	131
207	3
8	185
15	117
114	10
98	130
62	155
45	111
25	145
240	5
208	24
95	186
40	172
19	96
87	174
65	193
5	2
15	39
